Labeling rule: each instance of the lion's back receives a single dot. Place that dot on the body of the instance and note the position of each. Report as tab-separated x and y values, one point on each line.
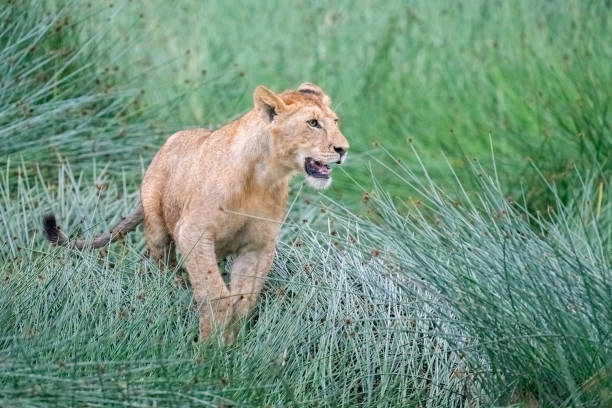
171	164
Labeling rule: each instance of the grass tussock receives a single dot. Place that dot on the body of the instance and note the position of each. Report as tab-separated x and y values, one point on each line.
529	293
333	326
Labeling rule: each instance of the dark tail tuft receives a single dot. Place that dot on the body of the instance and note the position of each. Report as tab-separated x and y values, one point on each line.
51	229
55	235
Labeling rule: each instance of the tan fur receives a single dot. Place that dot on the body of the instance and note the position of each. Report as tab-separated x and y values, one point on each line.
214	194
225	192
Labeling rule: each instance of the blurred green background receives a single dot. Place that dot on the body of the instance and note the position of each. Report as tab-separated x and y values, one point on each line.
532	79
526	79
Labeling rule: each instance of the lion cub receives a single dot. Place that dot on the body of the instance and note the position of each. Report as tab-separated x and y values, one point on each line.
224	192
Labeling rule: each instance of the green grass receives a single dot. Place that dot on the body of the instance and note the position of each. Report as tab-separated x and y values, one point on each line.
434	305
409	283
57	102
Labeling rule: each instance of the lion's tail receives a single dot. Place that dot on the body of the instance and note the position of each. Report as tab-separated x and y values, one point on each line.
57	237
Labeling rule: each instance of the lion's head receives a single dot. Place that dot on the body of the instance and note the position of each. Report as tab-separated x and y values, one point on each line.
304	131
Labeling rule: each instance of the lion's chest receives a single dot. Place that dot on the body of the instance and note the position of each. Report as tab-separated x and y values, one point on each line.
248	226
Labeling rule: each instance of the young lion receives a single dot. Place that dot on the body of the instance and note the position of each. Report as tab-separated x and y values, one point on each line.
215	194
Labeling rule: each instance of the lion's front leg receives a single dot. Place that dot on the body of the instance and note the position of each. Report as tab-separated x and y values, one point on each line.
248	275
210	292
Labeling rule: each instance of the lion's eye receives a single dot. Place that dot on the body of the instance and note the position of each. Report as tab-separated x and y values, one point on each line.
313	123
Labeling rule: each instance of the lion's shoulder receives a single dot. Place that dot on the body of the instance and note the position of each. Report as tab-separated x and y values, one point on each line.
187	139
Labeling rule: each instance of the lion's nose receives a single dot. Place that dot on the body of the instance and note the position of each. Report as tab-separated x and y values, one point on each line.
340	150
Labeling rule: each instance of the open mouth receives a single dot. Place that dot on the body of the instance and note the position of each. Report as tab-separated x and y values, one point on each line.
316	168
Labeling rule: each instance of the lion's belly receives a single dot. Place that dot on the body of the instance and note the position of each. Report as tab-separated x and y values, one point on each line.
230	241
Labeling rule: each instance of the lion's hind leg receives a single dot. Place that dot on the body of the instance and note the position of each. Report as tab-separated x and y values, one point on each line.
160	243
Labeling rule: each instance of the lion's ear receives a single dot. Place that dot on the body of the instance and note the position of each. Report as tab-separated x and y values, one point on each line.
310	88
268	102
